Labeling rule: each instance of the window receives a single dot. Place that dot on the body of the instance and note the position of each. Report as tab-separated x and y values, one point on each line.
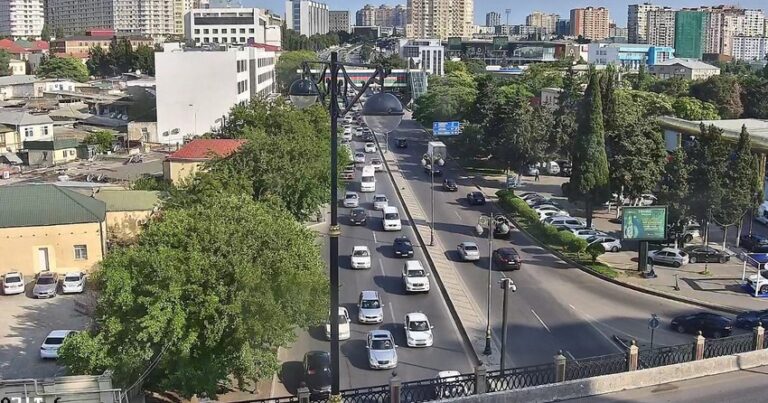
215	30
205	30
81	252
233	39
28	132
250	30
232	31
197	30
45	130
242	30
242	39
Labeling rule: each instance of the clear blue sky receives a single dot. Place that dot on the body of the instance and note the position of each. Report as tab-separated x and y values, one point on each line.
617	8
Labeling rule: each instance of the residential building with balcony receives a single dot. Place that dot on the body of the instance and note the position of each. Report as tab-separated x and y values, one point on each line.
233	26
590	23
440	19
307	17
22	19
660	30
338	21
492	19
637	22
542	20
750	48
156	18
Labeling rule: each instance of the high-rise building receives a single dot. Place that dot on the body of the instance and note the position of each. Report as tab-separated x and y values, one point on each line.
751	48
726	22
617	32
22	19
563	27
637	22
492	19
591	23
307	17
156	18
338	20
234	26
690	33
542	20
440	19
383	16
366	16
660	28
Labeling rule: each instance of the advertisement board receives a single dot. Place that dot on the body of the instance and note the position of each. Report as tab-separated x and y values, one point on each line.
647	223
500	42
454	43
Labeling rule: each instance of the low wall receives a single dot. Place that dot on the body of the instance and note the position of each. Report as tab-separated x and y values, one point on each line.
625	380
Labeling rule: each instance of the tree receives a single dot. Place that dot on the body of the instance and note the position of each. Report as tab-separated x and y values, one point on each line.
642	81
674	189
5	61
63	67
209	292
589	178
287	66
121	55
707	156
454	65
723	91
144	60
99	62
754	97
608	96
45	34
102	139
563	129
742	181
539	76
393	61
449	98
475	67
518	137
59	33
674	87
692	109
636	158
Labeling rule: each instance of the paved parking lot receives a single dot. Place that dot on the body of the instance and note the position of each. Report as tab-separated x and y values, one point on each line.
26	322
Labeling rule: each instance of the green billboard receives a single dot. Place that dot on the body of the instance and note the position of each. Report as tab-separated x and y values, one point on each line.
644	223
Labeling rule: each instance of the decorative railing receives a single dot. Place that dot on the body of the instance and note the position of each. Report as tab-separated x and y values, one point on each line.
596	366
662	356
523	377
729	345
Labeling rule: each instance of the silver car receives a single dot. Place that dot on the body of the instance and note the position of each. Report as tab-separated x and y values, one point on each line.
468	251
380	201
46	284
382	353
351	199
369	308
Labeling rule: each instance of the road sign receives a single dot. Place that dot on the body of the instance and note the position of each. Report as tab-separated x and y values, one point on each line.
653	323
446	128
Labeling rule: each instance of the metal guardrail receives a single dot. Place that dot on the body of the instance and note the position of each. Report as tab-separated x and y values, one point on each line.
435	389
596	366
523	377
729	345
668	355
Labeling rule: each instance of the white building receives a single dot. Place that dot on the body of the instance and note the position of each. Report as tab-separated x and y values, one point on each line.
26	127
156	18
637	22
235	26
750	48
660	29
424	54
196	88
688	69
307	17
22	19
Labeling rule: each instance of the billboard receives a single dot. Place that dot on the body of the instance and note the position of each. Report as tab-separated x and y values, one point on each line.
446	128
500	42
454	43
644	223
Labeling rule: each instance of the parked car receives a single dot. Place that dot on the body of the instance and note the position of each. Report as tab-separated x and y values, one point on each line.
586	233
403	247
670	256
565	223
344	328
415	277
317	372
361	257
369	148
449	185
351	199
610	244
52	343
710	324
370	308
545	207
46	285
74	282
565	167
536	200
539	202
382	353
759	281
418	331
706	254
507	259
754	243
468	251
529	195
551	213
750	319
476	198
358	216
380	201
401	143
13	283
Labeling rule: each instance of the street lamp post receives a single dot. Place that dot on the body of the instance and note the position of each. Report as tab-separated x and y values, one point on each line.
506	285
430	159
488	221
382	112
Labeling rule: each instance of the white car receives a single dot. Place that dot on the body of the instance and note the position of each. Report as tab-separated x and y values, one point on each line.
415	278
672	256
369	308
344	332
377	164
759	283
382	353
361	257
551	213
351	199
13	283
610	244
50	347
451	384
347	135
380	201
391	219
369	148
418	331
74	282
468	251
359	158
586	233
546	207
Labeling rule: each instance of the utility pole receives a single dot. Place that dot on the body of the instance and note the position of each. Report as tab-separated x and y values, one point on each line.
507	12
506	285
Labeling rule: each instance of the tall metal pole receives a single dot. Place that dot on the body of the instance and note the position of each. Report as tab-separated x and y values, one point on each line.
432	195
487	350
505	285
334	230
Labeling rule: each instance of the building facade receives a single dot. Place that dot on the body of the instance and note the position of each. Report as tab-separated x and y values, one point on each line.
157	18
189	159
563	27
660	30
22	19
235	26
427	55
338	21
628	56
637	22
24	127
492	19
690	33
590	23
542	20
440	19
750	48
366	16
307	17
688	69
78	45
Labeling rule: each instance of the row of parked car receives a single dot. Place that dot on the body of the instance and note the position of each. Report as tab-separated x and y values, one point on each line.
46	284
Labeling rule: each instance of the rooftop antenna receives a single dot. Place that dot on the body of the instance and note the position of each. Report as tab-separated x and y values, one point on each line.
507	12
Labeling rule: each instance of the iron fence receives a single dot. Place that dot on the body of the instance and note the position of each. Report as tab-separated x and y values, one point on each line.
729	345
374	394
516	378
596	366
285	399
438	388
669	355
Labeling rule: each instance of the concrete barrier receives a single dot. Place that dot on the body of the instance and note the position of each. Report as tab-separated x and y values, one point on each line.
624	381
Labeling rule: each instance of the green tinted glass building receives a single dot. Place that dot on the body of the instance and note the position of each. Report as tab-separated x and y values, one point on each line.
690	33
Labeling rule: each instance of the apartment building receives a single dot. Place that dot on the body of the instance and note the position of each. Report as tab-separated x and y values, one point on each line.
22	19
197	87
440	19
723	23
563	27
690	33
749	48
426	55
156	18
234	26
492	19
366	16
78	45
660	27
307	17
538	19
382	16
591	22
637	22
628	56
338	20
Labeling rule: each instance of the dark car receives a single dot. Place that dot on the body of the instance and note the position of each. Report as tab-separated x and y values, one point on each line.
403	247
754	243
317	372
358	216
710	324
565	167
437	171
541	202
502	228
368	137
450	185
706	254
506	259
750	319
401	143
476	198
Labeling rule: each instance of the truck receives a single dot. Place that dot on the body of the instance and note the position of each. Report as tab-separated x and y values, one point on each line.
437	150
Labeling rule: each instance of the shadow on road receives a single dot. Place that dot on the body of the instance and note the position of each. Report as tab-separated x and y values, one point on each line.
390	284
291	376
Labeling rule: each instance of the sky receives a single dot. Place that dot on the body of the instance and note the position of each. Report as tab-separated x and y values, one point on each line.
617	8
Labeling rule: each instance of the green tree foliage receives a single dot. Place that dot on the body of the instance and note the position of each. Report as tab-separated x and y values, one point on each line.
5	61
58	33
742	181
608	96
287	66
563	129
673	187
642	81
62	67
636	156
120	58
292	40
517	137
212	290
674	87
540	75
754	97
144	60
454	65
102	139
451	97
692	109
723	91
594	250
393	61
707	156
121	55
45	34
99	63
475	67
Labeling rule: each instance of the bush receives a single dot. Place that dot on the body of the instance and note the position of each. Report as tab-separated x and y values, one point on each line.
565	237
595	250
550	234
575	245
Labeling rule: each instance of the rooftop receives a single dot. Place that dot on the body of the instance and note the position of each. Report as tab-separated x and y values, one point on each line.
758	129
689	63
17	80
47	204
128	200
206	149
21	118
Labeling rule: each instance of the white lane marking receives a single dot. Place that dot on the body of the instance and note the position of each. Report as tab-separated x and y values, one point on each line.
572	357
572	307
591	322
392	313
374	236
540	321
457	214
381	266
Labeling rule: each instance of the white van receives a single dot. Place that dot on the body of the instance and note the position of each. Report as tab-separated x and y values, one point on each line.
762	213
391	219
368	179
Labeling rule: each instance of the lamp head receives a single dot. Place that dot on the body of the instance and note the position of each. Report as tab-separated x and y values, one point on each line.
383	112
303	93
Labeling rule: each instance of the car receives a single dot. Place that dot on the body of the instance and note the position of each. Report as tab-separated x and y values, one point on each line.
74	282
358	131
351	199
671	256
475	198
369	148
415	277
50	347
502	228
705	254
449	185
428	170
368	137
380	201
369	308
450	384
754	243
358	216
540	202
565	223
402	247
529	195
551	213
346	135
610	244
13	283
317	372
565	167
468	251
536	200
359	158
361	257
750	319
586	233
710	324
344	329
531	170
348	174
46	285
401	143
647	199
382	353
378	164
507	259
545	207
418	330
759	281
391	219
